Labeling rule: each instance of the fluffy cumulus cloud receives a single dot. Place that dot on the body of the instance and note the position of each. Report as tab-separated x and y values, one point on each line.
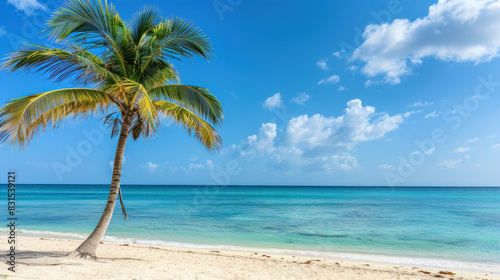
29	7
320	142
301	98
263	143
273	101
342	161
453	30
356	125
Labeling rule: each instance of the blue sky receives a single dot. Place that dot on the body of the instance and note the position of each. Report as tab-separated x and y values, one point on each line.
323	93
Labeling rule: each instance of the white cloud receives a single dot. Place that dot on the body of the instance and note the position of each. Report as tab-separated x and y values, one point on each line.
322	63
27	6
210	165
341	88
2	31
453	30
495	147
317	141
430	151
407	114
193	166
262	143
151	167
173	169
342	161
461	149
472	140
420	104
339	54
331	80
273	102
356	125
301	98
387	167
353	68
433	115
451	163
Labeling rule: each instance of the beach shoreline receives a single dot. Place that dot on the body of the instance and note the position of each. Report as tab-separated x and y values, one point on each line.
46	258
395	260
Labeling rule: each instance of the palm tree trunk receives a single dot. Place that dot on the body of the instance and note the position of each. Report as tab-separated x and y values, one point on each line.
88	248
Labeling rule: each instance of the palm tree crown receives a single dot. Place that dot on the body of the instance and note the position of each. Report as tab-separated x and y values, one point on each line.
121	70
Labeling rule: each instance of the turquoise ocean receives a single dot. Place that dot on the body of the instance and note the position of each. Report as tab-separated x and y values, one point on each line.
434	226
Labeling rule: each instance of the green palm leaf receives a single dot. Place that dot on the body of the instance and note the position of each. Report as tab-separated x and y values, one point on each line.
193	124
85	67
143	23
90	22
19	114
176	38
198	99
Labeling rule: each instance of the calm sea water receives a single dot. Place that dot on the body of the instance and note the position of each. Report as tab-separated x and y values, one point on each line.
458	224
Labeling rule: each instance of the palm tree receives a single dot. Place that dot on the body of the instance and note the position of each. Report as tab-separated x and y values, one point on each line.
121	72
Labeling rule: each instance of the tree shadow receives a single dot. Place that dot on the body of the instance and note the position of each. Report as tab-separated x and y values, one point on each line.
27	254
42	258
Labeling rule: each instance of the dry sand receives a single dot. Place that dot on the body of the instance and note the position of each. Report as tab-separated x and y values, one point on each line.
46	259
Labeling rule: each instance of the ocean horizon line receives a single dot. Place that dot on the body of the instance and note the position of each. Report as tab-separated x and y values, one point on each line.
265	185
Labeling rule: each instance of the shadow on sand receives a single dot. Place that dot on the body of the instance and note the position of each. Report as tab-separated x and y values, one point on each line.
55	258
42	258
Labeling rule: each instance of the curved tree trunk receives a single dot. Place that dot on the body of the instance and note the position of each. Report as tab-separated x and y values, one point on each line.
88	248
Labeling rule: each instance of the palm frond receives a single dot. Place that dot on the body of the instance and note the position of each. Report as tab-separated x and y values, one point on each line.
198	99
89	22
143	23
157	74
140	127
147	109
20	116
81	20
114	121
176	38
85	67
193	124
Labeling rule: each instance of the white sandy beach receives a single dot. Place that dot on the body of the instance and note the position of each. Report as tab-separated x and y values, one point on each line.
41	258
